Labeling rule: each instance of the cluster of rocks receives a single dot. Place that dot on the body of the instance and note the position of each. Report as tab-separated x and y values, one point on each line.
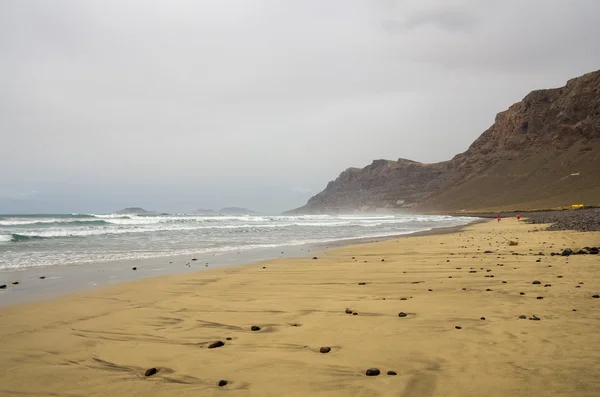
583	220
582	251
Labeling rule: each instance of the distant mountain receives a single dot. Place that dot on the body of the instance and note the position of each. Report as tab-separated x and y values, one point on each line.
133	211
236	211
542	152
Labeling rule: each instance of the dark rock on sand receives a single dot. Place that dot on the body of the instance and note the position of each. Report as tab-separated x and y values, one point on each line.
194	259
535	318
595	296
372	372
547	285
482	318
348	311
216	344
488	252
559	276
503	282
521	293
464	289
429	290
229	338
354	313
538	260
42	277
222	383
536	282
383	260
402	314
255	328
3	286
325	349
472	271
150	371
540	297
403	299
523	317
488	289
457	327
314	257
134	268
15	283
392	373
594	251
567	252
362	283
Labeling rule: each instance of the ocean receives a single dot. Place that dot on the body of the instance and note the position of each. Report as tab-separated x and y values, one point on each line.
35	241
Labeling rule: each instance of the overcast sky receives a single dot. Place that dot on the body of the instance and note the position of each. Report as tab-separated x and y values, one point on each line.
178	105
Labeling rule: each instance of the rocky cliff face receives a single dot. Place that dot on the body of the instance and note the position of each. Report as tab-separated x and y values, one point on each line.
542	152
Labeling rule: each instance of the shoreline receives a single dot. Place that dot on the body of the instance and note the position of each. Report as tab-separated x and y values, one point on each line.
63	280
461	334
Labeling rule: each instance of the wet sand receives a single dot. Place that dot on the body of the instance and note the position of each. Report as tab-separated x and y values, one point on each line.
101	342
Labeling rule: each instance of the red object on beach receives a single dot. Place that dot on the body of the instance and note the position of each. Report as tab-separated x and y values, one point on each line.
498	218
518	217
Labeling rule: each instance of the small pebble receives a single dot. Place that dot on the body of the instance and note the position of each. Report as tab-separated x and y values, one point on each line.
392	373
134	268
362	283
402	314
521	293
536	282
314	257
325	350
482	318
255	328
229	338
42	277
216	344
150	371
15	283
457	327
373	372
354	313
348	311
223	383
522	317
595	296
540	297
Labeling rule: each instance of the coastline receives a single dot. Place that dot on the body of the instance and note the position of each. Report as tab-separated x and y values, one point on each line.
81	277
102	341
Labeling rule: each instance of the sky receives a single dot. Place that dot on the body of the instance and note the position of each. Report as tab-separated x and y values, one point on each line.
176	105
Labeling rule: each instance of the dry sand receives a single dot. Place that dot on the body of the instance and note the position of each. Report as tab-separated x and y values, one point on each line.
99	343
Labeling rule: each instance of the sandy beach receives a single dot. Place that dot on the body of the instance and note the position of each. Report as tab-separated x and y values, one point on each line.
461	335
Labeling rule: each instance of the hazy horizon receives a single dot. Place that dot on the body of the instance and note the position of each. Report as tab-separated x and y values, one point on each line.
180	105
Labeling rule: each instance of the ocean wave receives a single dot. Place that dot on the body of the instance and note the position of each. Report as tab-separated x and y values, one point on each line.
76	215
5	238
52	222
15	238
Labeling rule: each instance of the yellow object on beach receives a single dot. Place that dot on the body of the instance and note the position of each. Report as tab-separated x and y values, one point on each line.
576	206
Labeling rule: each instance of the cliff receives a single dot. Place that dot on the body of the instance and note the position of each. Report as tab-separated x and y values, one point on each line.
542	152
